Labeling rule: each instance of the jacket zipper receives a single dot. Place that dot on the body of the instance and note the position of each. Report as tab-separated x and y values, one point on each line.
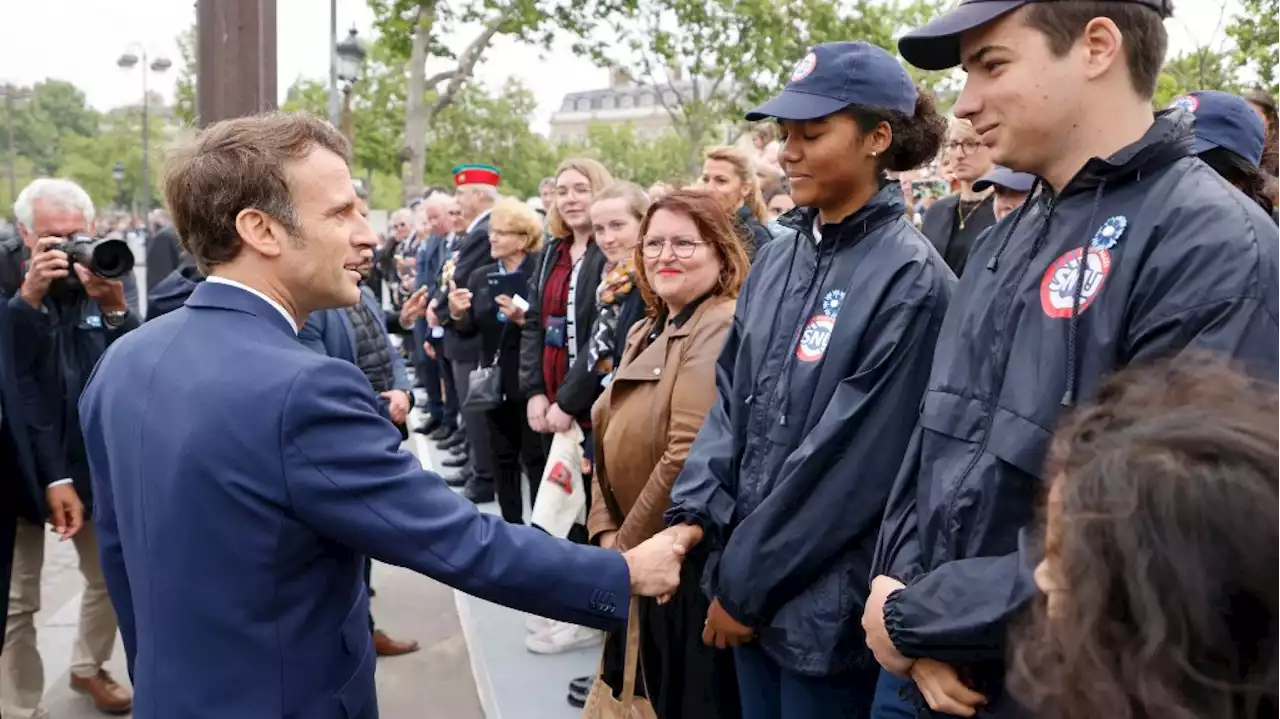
997	376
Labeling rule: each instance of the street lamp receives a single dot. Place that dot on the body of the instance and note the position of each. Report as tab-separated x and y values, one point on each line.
117	174
350	54
127	61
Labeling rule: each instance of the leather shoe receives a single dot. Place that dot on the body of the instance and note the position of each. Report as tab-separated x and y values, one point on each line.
454	440
455	461
428	427
441	433
108	696
478	491
385	646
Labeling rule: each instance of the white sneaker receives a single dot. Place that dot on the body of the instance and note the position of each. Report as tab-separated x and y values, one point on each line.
537	625
563	638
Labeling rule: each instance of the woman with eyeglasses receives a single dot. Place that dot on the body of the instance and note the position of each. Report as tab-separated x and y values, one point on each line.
690	266
819	388
956	221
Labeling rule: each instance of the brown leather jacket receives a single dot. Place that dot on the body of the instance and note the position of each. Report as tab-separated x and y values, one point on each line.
647	419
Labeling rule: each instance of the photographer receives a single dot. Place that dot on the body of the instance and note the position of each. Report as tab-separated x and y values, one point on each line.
64	313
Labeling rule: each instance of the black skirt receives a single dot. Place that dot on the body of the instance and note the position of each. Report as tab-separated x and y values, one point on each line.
681	677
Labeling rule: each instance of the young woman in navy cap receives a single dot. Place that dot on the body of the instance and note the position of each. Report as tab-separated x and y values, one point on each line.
819	385
1230	138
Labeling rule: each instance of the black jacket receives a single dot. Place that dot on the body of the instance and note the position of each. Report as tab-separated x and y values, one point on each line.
939	223
581	386
819	382
753	234
497	339
472	253
164	255
29	454
1179	259
172	292
55	349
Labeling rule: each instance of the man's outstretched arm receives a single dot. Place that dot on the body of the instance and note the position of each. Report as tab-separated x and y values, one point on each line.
348	477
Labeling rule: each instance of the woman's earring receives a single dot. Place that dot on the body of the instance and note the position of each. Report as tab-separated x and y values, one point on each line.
874	153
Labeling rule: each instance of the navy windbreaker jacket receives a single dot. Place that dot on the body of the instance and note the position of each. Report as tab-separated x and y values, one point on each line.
1177	259
819	386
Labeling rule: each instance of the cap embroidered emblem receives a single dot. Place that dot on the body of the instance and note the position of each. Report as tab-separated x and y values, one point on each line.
1190	103
804	68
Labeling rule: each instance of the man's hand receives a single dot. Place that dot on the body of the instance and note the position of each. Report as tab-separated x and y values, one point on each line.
459	302
109	294
941	686
46	266
398	401
686	536
722	631
873	624
508	308
536	413
429	349
414	307
609	540
654	567
433	320
66	512
558	420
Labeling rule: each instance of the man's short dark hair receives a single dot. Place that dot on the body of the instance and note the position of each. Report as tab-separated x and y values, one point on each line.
1145	38
238	164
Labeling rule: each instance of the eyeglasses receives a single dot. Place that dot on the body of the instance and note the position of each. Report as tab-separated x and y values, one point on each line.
681	247
455	213
969	146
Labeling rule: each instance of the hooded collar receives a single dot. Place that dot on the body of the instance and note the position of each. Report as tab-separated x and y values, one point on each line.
883	206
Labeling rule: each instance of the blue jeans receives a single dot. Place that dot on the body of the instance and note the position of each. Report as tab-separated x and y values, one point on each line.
769	691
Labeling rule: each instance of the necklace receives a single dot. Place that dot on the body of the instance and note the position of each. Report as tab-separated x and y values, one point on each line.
965	216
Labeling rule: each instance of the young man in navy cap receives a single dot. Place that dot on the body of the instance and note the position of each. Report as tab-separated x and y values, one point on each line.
1009	189
1133	250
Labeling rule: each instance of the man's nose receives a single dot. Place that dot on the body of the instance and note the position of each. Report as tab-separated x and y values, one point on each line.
968	103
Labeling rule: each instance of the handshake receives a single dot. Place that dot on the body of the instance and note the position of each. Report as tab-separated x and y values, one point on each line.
654	565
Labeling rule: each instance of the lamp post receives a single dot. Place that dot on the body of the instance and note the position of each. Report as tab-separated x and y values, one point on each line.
159	65
117	174
350	63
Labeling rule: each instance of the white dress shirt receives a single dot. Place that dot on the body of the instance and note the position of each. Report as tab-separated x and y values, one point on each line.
279	308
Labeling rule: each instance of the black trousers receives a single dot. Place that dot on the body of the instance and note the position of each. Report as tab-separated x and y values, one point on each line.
515	447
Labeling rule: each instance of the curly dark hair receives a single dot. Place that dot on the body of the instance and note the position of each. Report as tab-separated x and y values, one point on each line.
916	139
1163	539
1250	180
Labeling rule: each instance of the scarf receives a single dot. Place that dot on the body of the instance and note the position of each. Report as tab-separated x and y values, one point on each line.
617	284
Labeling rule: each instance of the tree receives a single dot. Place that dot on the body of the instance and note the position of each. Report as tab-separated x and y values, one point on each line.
52	113
414	29
184	104
711	60
89	160
490	129
1256	32
632	158
1200	69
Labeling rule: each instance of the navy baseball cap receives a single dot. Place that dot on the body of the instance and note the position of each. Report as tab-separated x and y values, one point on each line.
835	75
1006	178
936	46
1225	120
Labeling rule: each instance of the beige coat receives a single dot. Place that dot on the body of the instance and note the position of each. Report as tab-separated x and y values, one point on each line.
648	417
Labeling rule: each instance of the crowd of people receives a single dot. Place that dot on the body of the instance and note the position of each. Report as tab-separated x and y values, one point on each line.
865	452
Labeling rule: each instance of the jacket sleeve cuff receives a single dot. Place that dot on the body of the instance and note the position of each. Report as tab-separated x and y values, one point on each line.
895	625
734	610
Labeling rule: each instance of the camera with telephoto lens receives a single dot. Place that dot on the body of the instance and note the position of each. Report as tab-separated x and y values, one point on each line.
107	258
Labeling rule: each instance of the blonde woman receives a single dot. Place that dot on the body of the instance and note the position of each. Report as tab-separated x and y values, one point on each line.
729	175
486	306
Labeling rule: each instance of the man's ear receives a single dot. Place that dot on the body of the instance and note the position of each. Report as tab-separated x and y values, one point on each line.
1103	45
260	232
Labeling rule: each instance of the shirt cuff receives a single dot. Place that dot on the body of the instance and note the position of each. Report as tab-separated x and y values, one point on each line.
57	482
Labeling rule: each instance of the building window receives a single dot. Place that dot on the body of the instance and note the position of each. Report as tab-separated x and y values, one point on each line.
568	104
608	102
626	101
646	99
584	104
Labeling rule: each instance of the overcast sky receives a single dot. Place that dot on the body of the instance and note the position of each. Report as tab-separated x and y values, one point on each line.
79	41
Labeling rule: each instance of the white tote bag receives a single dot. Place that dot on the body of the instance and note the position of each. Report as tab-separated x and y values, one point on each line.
562	500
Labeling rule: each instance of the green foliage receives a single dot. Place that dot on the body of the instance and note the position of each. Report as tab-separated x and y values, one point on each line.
1202	69
743	51
89	160
490	129
184	106
45	117
630	157
1256	32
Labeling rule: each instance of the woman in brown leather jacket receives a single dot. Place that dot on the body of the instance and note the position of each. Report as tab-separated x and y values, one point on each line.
690	267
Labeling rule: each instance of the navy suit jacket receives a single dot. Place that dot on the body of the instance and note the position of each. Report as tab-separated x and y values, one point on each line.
242	478
331	333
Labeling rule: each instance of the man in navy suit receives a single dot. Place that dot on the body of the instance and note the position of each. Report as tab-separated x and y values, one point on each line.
242	477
